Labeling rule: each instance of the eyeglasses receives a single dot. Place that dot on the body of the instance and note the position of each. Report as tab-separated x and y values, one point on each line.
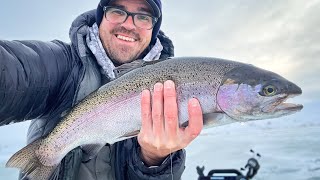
119	16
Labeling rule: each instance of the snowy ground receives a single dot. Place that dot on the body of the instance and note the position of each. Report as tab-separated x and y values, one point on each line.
12	139
290	148
292	153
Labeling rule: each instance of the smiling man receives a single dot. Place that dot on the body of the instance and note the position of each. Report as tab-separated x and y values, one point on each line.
43	80
125	37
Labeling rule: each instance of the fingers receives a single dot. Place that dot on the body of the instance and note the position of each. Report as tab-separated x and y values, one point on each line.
195	121
170	110
160	132
157	110
146	112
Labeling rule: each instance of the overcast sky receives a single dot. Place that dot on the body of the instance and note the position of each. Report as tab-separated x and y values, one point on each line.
282	36
279	35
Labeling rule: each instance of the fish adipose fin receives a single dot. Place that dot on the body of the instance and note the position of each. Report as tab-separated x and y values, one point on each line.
28	162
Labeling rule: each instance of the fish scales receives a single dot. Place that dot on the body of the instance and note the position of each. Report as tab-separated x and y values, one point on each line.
228	91
189	76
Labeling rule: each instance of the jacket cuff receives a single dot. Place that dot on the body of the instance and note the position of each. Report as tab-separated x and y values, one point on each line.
173	165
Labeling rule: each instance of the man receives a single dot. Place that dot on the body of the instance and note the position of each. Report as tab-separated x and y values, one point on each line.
43	80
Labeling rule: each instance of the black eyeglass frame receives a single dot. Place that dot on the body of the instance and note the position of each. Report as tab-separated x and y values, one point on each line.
154	19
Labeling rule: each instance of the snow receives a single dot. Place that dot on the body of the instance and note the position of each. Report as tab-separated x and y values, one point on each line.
292	153
289	146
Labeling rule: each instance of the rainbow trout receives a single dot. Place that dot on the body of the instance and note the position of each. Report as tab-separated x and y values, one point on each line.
228	92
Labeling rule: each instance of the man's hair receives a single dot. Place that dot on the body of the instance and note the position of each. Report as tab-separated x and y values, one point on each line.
157	11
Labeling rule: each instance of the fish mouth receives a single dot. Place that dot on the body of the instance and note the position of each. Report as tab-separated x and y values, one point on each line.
280	105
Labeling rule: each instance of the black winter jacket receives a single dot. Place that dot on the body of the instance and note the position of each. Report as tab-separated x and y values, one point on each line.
42	80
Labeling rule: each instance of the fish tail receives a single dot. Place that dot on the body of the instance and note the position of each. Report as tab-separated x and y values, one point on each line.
27	160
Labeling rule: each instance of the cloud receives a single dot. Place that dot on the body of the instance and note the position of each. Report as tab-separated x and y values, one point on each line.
281	36
39	20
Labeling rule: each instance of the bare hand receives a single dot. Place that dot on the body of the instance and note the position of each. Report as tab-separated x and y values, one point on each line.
160	134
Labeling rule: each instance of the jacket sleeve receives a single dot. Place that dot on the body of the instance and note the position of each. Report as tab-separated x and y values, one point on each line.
171	168
31	76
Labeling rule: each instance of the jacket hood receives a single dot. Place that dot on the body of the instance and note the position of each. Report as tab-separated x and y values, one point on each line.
79	30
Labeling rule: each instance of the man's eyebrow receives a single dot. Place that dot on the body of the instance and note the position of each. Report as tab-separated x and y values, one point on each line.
141	9
116	6
146	10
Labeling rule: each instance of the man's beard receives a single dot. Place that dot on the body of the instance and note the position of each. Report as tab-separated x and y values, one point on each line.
123	54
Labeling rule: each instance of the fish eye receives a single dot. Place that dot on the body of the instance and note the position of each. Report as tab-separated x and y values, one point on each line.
269	90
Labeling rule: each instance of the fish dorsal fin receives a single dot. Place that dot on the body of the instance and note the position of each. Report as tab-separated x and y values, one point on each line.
127	135
127	67
91	150
130	134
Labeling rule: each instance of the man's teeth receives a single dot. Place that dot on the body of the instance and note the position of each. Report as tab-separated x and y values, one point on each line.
125	38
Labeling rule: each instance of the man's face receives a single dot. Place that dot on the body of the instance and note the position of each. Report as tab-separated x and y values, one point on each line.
125	42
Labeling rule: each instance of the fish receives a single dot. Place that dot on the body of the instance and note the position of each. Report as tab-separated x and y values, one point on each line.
228	92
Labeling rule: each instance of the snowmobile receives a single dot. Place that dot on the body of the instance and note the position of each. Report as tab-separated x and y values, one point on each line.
252	167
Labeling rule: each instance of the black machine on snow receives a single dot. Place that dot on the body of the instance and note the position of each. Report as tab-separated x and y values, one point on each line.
252	168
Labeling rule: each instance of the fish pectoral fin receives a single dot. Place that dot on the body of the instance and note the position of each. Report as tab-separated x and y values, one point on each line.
209	119
91	150
213	117
216	119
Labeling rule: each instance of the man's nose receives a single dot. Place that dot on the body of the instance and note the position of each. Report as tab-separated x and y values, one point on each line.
129	24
